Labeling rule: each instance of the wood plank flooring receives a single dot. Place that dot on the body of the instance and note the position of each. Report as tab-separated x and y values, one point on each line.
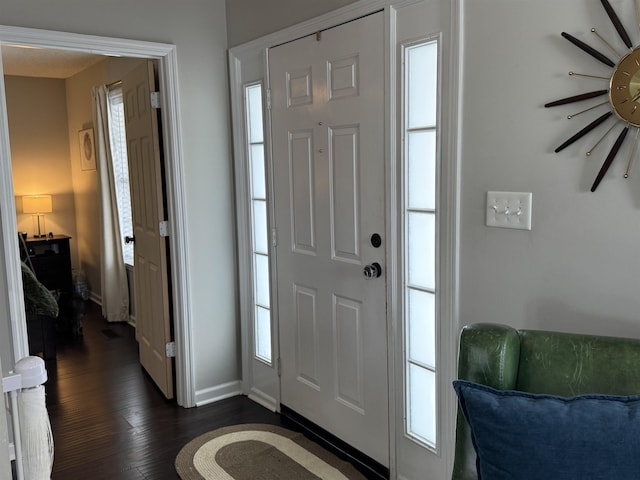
109	421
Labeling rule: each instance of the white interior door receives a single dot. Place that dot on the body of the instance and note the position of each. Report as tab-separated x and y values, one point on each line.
327	96
150	274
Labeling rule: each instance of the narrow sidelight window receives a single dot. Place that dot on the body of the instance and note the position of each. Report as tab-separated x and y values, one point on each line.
259	228
420	227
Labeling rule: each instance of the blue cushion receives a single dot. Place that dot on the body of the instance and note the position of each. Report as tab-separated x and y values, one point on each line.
523	436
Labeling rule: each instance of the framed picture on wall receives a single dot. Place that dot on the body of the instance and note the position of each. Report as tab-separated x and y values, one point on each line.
87	149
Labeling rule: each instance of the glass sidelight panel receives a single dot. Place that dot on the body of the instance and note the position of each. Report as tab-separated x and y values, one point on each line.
260	235
421	416
263	333
420	227
422	165
257	171
261	265
421	312
421	63
259	224
421	249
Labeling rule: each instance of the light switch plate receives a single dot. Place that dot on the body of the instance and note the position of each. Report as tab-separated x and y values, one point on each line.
509	210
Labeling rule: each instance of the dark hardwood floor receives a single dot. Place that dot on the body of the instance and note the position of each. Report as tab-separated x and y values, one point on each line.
109	421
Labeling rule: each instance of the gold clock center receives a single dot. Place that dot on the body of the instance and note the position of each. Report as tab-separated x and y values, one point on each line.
634	84
624	92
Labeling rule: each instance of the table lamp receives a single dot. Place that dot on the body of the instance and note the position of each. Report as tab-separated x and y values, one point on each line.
37	206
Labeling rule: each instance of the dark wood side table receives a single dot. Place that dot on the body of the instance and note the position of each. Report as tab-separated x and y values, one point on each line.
51	259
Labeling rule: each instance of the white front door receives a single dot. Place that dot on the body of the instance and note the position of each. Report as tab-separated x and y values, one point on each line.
327	94
150	270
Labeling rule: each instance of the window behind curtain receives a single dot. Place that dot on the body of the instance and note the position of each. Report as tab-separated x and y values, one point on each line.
118	140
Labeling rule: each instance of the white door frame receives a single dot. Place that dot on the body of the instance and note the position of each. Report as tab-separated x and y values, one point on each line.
248	64
5	462
172	134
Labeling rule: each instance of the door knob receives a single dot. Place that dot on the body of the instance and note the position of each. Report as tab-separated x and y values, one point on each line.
129	239
373	270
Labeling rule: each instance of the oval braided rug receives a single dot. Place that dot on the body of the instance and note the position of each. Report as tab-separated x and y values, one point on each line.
258	451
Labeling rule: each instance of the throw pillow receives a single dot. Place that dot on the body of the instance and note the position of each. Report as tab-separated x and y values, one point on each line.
525	436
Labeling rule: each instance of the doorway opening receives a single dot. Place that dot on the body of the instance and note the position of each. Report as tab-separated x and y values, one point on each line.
167	73
87	203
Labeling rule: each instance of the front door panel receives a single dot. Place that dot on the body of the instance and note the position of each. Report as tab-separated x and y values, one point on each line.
328	159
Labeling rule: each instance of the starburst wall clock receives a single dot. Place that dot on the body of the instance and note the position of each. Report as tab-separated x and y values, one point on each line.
623	93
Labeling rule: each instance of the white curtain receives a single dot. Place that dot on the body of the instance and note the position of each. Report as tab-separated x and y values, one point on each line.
115	291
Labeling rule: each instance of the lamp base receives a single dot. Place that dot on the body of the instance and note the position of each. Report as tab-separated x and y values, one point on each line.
38	226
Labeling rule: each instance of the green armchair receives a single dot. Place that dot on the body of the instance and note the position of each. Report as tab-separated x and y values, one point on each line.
544	362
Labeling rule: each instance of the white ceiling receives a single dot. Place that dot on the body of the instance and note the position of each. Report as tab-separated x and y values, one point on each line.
48	63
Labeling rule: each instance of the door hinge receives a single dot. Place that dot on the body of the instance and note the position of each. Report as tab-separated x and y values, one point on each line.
279	367
268	95
164	228
274	237
170	349
155	99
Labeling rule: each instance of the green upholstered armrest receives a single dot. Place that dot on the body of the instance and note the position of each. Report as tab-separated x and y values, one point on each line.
489	354
538	361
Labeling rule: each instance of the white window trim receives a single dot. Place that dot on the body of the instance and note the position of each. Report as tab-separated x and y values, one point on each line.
403	157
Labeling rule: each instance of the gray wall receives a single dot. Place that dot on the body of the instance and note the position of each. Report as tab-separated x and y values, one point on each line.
197	28
38	133
251	19
578	268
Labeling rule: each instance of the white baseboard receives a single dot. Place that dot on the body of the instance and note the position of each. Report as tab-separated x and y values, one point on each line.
217	393
95	298
265	400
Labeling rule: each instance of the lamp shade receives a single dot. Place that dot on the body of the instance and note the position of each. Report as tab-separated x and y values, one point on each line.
36	204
